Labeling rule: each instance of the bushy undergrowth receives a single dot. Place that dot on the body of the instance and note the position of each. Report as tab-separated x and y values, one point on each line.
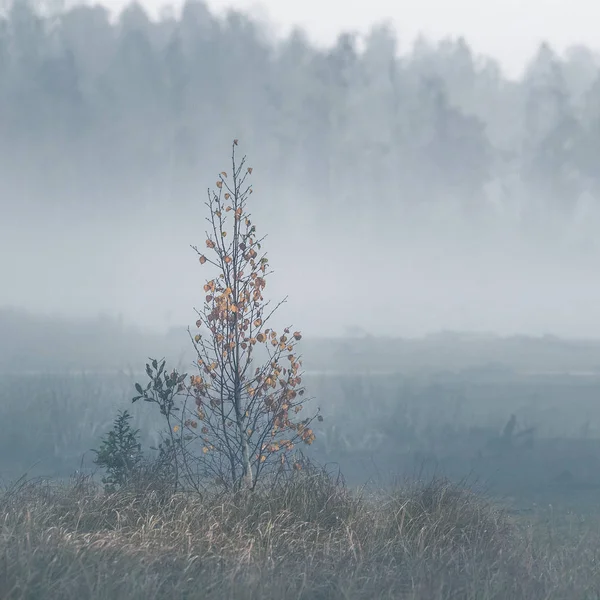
307	536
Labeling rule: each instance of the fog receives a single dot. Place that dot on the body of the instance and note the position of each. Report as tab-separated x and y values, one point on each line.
402	193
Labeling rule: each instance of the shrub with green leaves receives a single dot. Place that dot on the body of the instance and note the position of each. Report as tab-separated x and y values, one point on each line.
120	453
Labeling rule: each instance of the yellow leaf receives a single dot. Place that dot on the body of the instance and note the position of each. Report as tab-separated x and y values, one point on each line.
176	429
223	233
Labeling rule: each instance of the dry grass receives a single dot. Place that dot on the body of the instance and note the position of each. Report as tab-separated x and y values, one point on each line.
309	537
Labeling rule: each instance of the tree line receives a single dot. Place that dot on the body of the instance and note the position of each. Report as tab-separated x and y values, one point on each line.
105	109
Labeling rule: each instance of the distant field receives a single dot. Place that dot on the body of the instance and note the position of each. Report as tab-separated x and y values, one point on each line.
33	343
391	407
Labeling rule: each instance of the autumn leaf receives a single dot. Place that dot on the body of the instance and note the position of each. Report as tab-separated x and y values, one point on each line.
258	322
250	170
219	184
261	337
176	429
202	259
297	335
210	244
224	173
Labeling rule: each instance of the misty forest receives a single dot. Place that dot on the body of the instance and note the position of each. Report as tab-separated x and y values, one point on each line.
203	220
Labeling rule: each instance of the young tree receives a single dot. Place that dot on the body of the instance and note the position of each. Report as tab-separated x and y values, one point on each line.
245	413
247	395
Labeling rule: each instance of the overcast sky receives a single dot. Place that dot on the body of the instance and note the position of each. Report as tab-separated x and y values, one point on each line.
510	30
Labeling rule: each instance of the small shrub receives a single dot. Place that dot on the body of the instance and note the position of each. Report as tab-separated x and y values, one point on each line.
120	453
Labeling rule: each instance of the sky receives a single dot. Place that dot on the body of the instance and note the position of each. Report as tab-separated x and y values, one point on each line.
509	30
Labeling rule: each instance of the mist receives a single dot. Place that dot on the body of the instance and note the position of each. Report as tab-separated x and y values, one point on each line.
403	191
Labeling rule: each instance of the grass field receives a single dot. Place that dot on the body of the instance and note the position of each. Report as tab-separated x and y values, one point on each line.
309	537
524	522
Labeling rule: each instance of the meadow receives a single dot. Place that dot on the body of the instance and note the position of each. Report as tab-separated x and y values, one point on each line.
477	481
